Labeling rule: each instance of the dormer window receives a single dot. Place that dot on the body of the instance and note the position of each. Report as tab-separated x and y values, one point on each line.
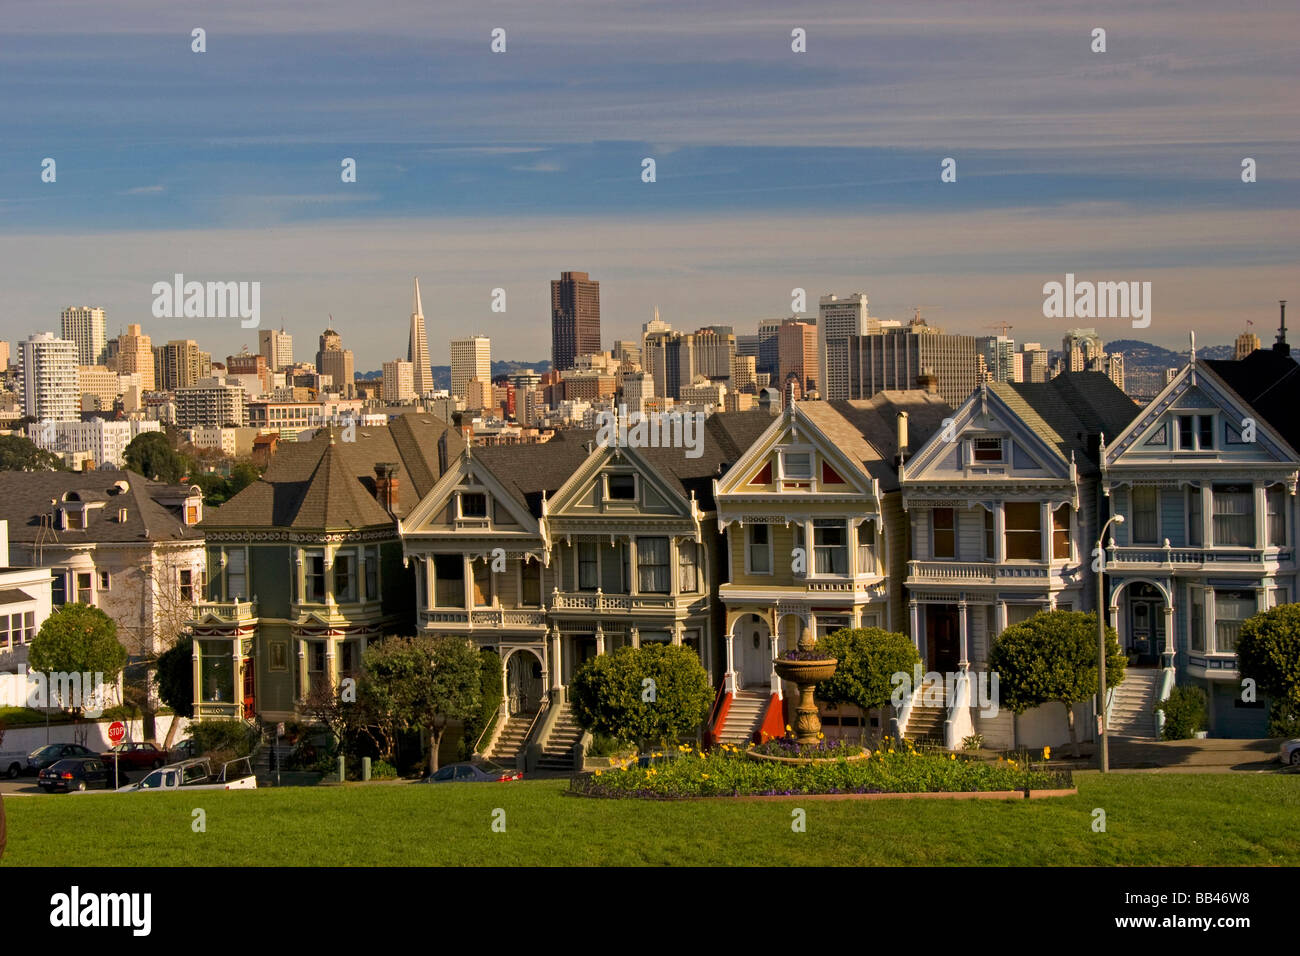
987	450
1195	432
621	487
473	505
796	464
74	519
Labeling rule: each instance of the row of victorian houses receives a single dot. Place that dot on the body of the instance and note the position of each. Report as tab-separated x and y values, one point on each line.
900	512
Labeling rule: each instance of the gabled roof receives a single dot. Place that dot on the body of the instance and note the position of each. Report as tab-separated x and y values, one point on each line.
328	483
26	495
1070	411
1269	383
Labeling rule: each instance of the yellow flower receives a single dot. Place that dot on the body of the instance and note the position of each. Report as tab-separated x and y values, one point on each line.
820	735
705	776
597	773
1047	753
952	756
787	726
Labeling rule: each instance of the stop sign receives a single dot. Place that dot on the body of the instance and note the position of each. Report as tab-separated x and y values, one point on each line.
116	732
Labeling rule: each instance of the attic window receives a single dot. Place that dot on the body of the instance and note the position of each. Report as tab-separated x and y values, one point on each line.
796	464
473	505
74	519
986	450
622	487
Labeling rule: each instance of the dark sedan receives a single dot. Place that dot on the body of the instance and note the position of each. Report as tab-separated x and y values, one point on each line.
38	760
78	773
468	773
142	756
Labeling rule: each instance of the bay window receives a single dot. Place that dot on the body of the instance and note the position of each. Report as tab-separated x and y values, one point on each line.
449	580
236	574
758	542
687	572
866	554
1275	508
652	566
345	576
588	566
1194	512
313	577
1230	609
943	533
1061	532
1024	534
830	546
1234	516
1146	524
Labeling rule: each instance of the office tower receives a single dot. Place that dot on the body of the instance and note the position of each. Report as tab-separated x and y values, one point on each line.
999	357
135	356
471	357
1035	363
276	348
212	403
743	374
837	319
47	378
575	319
897	358
1170	375
4	356
747	344
655	325
98	387
714	350
336	362
417	349
769	331
525	379
1115	369
1081	348
399	381
636	388
797	355
669	358
84	325
627	352
179	364
1247	342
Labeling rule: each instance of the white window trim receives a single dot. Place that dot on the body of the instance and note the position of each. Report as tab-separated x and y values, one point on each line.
797	450
810	546
771	557
632	502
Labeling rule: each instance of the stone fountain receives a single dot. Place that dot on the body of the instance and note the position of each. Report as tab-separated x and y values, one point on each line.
806	674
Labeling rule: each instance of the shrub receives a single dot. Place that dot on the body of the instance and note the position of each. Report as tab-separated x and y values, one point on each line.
1283	720
651	693
603	745
868	658
1184	712
213	738
1268	651
382	770
973	742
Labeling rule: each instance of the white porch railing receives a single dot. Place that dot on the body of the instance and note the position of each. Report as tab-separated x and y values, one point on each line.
975	572
1135	556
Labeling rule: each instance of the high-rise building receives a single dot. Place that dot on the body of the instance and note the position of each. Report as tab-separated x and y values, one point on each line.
4	356
837	319
84	325
769	332
1247	342
797	355
212	402
1115	369
714	349
336	362
417	349
575	318
999	353
135	356
897	357
276	348
669	358
471	357
1081	349
47	378
178	364
1035	363
399	381
627	352
743	375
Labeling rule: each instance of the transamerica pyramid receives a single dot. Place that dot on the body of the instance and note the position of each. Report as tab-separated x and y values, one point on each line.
417	352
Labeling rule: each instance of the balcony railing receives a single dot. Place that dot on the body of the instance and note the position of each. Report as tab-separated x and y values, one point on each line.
599	602
976	572
1170	557
484	617
231	611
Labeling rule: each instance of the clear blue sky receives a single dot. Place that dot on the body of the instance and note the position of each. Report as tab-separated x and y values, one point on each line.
775	170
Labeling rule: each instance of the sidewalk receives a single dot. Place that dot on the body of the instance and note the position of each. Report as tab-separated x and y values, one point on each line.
1211	755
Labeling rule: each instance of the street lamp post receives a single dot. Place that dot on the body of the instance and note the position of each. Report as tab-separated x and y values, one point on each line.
1103	750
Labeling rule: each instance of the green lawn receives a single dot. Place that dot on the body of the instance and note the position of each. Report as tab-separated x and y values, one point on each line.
1151	819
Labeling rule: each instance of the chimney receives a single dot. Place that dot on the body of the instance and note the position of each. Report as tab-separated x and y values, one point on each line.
928	381
902	436
386	486
1280	346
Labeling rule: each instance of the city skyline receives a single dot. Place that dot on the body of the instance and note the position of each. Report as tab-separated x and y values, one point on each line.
824	175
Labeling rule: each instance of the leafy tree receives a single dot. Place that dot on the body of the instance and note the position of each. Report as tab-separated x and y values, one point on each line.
1053	657
423	683
612	695
868	658
490	689
21	454
176	679
241	476
151	454
1268	652
76	639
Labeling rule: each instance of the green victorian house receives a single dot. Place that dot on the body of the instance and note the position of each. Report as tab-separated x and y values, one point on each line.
305	566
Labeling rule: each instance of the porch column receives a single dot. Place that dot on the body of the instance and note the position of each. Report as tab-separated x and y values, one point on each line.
729	679
677	633
999	533
915	610
1000	620
1261	520
557	669
1045	534
633	584
198	676
237	675
302	669
963	628
331	671
600	639
635	633
1171	644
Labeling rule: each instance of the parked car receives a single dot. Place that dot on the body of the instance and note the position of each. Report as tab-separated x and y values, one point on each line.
469	773
76	773
43	757
1289	752
182	750
141	756
12	763
197	775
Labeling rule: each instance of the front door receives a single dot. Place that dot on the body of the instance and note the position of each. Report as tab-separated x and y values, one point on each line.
250	701
942	645
523	683
1146	632
755	640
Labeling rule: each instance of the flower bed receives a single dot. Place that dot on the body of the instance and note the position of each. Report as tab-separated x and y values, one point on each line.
788	748
728	772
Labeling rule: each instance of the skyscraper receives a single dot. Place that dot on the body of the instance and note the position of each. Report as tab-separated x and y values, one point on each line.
276	348
178	364
837	319
399	379
769	332
575	319
336	362
1247	342
84	325
417	349
47	378
135	357
797	355
999	357
896	358
471	357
